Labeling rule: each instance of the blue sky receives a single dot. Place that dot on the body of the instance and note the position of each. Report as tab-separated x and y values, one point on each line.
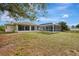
56	12
62	12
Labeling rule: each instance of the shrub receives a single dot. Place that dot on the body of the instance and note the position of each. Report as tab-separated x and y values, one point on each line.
64	26
2	28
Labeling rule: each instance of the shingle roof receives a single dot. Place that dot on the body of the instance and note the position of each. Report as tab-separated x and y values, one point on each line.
30	23
21	23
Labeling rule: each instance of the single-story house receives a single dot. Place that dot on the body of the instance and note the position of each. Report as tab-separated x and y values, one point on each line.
74	29
22	27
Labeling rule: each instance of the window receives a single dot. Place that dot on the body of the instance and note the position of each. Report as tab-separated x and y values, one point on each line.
32	27
20	27
26	27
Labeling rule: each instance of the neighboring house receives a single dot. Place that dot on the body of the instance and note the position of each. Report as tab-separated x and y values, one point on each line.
22	27
74	29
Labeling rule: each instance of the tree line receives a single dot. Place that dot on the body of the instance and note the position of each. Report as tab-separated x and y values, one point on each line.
76	26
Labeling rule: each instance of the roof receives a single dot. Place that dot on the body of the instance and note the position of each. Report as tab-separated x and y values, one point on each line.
47	24
25	23
22	23
30	23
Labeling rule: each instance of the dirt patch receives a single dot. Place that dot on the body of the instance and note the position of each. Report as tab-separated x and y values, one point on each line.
7	50
72	52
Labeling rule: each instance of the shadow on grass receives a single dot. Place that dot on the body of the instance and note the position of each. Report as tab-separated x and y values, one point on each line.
46	32
72	31
1	32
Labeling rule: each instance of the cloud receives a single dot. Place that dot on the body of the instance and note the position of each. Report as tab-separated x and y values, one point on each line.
41	20
65	16
58	10
5	17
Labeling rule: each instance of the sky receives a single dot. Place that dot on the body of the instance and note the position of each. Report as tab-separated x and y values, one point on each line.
56	12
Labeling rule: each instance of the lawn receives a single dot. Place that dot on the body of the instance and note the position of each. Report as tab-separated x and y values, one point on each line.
39	44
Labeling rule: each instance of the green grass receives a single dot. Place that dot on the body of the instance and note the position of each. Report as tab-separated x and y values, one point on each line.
3	32
40	43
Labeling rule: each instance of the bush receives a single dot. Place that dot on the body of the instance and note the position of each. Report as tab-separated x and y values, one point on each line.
64	26
77	26
2	28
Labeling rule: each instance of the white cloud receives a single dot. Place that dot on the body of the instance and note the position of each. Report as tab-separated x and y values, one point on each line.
47	20
5	17
65	16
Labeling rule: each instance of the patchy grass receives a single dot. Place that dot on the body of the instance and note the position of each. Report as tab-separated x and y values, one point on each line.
39	43
2	32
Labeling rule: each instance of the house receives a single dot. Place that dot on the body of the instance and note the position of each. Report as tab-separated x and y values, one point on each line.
74	29
27	26
50	27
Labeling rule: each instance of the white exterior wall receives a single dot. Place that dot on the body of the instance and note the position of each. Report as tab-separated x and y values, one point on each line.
10	28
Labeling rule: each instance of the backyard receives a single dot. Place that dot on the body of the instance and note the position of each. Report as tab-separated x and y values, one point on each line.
39	43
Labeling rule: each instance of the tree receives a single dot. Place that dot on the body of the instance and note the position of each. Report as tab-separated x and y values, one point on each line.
64	26
77	26
25	10
72	26
2	28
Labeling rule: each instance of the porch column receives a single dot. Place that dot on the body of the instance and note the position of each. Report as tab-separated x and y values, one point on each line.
53	27
30	28
24	28
16	28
